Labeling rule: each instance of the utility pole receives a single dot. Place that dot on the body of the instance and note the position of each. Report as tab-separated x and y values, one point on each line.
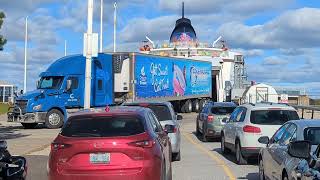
115	27
65	47
87	89
101	25
25	56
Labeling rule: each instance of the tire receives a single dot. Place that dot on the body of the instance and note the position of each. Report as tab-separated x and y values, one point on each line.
29	125
239	158
197	128
188	106
201	104
54	119
261	170
204	137
182	107
176	156
195	105
224	150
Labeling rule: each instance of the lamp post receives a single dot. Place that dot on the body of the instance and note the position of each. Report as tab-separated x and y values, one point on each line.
115	27
25	56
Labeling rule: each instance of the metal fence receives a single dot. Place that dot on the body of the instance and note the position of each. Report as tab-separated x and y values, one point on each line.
308	112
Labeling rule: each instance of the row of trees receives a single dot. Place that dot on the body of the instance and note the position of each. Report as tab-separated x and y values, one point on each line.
2	39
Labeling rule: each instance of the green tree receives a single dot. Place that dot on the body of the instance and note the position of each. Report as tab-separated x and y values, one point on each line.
2	39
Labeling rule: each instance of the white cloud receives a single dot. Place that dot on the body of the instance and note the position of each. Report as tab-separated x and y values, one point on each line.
293	29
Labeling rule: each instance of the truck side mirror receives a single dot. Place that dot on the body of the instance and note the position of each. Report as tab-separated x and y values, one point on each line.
37	84
300	149
69	84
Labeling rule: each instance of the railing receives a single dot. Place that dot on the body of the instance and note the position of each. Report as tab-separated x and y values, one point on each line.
308	112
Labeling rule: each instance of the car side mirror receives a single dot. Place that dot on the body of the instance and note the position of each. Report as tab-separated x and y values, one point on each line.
300	149
69	84
225	120
179	117
168	128
264	140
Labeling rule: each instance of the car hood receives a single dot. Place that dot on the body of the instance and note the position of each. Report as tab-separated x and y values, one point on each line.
30	94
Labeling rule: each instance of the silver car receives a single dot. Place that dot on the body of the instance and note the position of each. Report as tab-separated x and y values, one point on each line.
274	161
169	120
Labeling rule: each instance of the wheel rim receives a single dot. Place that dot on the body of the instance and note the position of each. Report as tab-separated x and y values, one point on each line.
54	119
197	106
261	172
190	107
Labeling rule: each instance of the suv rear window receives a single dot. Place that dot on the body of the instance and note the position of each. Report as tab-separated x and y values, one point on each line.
161	111
222	110
103	126
312	135
272	117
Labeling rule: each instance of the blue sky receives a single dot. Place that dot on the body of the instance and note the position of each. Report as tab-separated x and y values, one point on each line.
280	38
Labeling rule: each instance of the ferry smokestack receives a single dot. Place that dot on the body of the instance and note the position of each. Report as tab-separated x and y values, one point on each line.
182	9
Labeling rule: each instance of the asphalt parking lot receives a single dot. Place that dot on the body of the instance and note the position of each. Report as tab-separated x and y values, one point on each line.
200	161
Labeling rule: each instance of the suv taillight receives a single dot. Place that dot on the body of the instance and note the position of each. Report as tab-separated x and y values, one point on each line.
143	144
210	118
58	146
251	129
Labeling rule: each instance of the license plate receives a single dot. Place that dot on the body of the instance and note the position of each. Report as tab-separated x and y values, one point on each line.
101	158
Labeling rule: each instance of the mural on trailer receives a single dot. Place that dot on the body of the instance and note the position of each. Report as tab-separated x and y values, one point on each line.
160	77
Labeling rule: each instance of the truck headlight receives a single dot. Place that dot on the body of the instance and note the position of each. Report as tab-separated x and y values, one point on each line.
37	108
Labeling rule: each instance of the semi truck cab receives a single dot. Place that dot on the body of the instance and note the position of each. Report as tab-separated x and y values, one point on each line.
60	90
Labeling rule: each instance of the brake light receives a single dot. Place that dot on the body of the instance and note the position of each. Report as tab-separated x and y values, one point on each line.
143	104
58	146
210	118
251	129
143	144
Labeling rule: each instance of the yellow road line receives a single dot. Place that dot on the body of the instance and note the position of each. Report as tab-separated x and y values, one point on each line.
40	148
211	155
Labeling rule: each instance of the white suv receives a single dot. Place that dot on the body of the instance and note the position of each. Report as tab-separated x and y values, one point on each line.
248	122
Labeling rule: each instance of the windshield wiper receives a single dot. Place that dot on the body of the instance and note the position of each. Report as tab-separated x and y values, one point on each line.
86	135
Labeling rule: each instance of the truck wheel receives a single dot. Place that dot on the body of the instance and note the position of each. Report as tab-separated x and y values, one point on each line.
182	107
188	106
54	119
29	125
195	105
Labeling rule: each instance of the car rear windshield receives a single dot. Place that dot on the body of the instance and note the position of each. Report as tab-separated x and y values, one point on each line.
222	110
161	111
272	117
103	127
312	135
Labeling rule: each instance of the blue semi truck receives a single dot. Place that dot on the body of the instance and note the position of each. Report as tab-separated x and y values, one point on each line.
116	78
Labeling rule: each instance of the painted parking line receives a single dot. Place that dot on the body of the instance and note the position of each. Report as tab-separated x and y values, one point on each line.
215	158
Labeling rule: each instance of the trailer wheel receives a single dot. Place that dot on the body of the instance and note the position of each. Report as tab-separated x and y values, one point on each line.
54	119
195	105
182	107
188	106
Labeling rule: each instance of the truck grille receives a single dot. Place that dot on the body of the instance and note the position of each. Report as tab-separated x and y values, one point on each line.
22	104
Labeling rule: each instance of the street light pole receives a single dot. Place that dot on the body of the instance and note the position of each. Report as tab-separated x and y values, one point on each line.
87	89
101	25
65	47
25	56
114	27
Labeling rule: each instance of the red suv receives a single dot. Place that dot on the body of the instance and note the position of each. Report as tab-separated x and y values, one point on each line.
123	143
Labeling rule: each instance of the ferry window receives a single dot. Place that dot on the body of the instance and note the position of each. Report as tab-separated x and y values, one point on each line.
75	82
100	85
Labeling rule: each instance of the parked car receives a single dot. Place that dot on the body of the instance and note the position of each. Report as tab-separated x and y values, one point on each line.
248	123
209	121
169	120
275	161
123	143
